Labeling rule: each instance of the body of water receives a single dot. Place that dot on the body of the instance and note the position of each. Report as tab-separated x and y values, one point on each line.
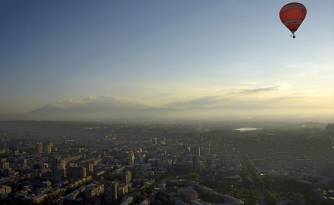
247	129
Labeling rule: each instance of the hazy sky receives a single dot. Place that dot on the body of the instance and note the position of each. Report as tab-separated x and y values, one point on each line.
165	52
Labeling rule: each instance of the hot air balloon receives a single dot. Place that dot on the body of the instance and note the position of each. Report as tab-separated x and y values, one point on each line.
292	16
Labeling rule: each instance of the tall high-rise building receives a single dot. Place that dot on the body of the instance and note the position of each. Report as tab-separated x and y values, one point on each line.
110	192
197	151
4	164
131	158
90	167
58	167
187	149
127	177
24	163
49	147
39	147
164	141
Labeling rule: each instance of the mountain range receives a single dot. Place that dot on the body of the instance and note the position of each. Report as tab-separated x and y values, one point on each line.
104	108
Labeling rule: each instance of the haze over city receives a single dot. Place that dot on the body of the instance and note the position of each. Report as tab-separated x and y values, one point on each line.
178	102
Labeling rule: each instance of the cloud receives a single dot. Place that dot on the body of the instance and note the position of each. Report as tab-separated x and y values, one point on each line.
259	90
238	103
218	103
197	103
